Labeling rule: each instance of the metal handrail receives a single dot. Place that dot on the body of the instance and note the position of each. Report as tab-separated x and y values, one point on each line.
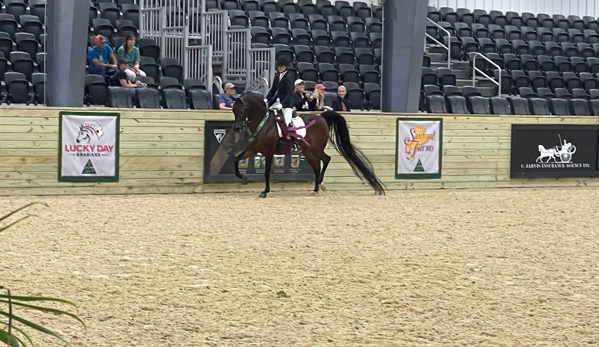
447	47
475	69
265	84
218	82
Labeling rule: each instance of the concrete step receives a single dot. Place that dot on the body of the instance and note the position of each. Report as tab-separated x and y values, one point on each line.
485	83
484	91
437	57
461	65
435	49
455	64
462	74
460	82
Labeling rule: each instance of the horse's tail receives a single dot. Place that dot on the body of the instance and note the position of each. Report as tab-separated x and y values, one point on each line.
356	159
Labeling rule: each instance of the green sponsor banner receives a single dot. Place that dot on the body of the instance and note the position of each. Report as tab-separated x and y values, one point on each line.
88	146
419	148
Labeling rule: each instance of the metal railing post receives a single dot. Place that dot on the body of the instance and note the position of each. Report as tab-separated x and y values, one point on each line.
162	25
476	69
447	47
209	72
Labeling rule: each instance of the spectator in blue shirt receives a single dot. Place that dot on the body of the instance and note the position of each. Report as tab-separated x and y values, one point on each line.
101	57
224	100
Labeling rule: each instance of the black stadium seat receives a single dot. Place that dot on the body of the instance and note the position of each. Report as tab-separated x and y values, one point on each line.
499	105
96	90
17	88
539	106
199	99
436	104
559	106
39	85
174	98
479	105
119	97
148	98
457	104
580	107
520	106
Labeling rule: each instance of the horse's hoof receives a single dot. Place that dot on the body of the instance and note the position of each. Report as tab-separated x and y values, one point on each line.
323	187
262	195
244	180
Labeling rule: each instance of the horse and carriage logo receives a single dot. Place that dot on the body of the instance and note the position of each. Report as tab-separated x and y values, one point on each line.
87	130
559	154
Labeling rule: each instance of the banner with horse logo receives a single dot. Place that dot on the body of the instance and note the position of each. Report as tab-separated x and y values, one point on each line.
554	150
418	148
88	147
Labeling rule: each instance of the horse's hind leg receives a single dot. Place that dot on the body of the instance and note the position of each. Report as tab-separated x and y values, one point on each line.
326	159
267	169
314	162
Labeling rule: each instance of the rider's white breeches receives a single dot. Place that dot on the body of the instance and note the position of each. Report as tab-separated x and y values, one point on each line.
287	114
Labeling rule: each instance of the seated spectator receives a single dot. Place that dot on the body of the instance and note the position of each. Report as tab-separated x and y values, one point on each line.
225	102
131	53
101	57
301	99
341	103
317	99
120	78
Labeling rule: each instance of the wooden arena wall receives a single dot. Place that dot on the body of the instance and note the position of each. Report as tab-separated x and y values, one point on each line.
162	152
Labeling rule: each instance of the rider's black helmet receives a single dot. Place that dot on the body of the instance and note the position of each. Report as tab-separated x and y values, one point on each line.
282	61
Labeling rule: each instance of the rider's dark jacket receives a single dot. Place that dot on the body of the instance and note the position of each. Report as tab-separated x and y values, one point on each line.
282	88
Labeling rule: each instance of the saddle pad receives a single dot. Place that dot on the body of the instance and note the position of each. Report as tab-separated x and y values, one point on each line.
297	122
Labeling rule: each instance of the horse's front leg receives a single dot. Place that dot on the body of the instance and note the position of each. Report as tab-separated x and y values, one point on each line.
269	159
243	155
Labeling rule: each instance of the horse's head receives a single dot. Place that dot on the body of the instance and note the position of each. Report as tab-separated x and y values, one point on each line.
240	110
248	108
83	135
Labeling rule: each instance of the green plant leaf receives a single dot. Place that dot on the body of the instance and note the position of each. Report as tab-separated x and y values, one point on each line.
46	309
13	223
21	208
34	326
14	341
24	334
34	298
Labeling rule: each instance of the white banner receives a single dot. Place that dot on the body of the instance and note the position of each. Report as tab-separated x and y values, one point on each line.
419	143
89	147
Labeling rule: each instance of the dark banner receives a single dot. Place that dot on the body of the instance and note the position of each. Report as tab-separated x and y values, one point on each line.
222	144
554	151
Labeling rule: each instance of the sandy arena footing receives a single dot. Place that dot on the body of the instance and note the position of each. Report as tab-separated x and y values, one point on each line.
413	268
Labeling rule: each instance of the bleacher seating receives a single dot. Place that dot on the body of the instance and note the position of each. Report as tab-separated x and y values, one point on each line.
549	63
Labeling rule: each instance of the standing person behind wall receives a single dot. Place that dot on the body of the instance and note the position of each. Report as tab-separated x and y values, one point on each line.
101	57
341	103
131	53
225	102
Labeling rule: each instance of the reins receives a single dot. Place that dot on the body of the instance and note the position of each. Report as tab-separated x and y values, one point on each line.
245	122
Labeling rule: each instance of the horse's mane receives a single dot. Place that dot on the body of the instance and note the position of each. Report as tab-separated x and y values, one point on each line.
252	99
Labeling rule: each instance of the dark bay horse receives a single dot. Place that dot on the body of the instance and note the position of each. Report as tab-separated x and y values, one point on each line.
259	126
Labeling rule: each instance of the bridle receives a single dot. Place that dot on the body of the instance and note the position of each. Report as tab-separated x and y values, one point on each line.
244	123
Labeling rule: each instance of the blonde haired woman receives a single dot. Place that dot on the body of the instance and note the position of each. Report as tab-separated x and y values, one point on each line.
317	99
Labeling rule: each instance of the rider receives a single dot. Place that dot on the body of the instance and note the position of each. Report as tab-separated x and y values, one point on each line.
281	92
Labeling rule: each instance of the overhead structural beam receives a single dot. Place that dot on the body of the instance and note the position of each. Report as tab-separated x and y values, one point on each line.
404	25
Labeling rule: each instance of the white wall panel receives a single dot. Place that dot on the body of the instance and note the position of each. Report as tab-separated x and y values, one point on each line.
566	7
